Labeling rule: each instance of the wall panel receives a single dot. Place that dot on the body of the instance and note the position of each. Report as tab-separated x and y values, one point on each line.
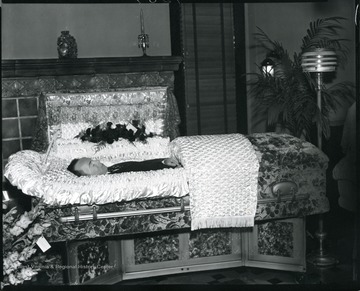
209	68
30	31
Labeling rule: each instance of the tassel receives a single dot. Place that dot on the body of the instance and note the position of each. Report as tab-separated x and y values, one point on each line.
222	222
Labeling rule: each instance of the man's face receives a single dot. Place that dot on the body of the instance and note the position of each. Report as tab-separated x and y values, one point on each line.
90	167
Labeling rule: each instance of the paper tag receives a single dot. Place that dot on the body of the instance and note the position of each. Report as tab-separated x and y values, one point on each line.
43	244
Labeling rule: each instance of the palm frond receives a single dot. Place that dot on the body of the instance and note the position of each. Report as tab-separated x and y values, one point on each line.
337	95
289	97
324	33
262	37
274	113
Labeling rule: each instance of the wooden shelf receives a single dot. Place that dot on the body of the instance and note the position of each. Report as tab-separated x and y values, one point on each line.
86	66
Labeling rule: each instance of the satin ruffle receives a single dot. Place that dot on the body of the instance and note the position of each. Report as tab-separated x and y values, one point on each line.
57	186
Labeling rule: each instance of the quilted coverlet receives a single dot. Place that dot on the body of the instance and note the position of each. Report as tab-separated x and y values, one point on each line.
222	173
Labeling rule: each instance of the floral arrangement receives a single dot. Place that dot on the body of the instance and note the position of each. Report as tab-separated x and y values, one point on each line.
109	132
20	234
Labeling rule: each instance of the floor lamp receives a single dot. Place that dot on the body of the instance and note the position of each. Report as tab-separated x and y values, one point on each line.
320	61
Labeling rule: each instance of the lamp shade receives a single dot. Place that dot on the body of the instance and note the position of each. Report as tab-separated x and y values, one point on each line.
319	60
267	67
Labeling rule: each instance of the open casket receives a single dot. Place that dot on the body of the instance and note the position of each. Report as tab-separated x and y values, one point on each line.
142	224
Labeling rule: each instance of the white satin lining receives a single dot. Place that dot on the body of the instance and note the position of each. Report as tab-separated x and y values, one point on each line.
121	150
57	186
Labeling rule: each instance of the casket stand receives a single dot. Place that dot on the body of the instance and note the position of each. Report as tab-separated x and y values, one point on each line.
104	247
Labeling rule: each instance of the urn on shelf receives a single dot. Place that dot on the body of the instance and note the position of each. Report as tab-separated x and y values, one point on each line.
66	46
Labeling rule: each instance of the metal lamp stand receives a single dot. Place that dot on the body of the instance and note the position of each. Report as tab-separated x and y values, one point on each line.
320	258
320	61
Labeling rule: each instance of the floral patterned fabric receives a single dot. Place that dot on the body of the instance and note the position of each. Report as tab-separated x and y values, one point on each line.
281	244
59	231
158	248
287	158
166	247
93	256
209	243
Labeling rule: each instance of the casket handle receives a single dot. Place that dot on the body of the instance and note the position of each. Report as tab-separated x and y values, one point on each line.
285	189
85	217
182	205
94	212
77	219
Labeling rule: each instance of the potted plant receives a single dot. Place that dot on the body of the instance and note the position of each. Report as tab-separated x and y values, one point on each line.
288	97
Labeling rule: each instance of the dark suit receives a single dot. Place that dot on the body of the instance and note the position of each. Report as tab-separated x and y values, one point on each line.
141	166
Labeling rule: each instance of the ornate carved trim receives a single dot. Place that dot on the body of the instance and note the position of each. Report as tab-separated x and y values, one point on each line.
33	86
31	77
